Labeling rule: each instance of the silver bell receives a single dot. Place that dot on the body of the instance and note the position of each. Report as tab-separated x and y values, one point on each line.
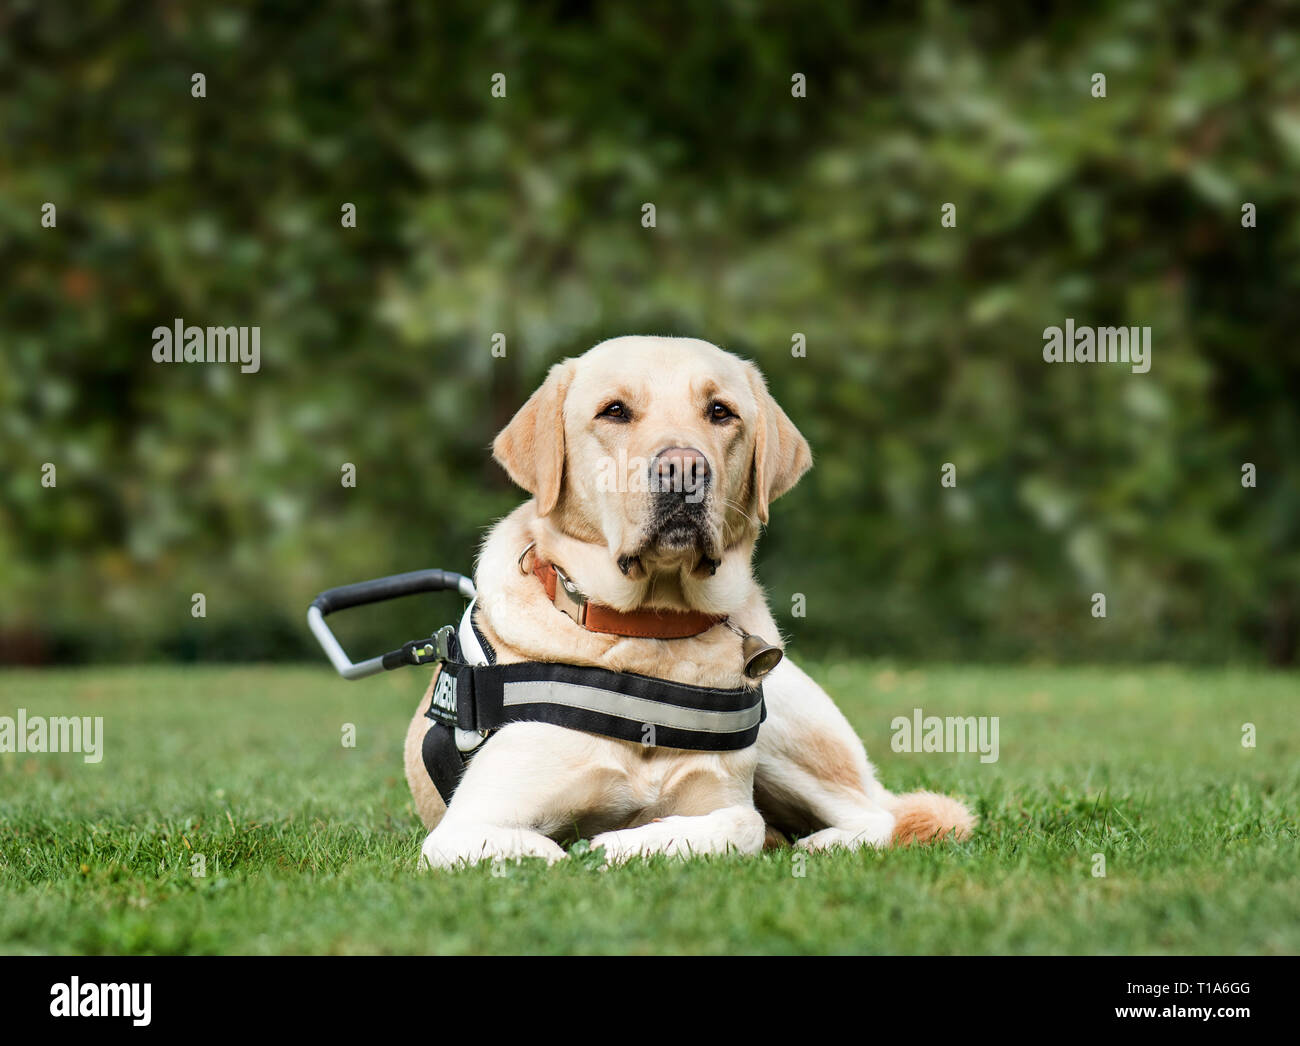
760	656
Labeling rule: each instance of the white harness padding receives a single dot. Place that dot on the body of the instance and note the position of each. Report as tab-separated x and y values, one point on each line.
473	653
471	649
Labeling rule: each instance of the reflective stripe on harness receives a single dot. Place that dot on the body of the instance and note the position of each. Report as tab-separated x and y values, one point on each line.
655	712
473	699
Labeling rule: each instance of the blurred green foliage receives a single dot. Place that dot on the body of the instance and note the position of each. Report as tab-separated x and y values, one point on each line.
776	215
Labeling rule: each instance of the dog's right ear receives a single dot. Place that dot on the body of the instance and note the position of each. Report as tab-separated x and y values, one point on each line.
531	447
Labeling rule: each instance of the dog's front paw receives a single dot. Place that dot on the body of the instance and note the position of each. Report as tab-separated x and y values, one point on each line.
621	846
449	846
661	836
875	829
720	832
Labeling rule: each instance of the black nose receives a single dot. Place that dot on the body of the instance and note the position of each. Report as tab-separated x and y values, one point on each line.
679	470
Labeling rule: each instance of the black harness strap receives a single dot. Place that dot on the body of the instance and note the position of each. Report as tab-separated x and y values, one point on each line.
443	761
642	709
655	712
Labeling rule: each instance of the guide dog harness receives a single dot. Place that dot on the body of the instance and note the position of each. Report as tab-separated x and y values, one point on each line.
472	696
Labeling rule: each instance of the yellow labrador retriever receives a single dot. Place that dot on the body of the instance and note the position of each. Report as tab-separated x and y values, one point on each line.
682	409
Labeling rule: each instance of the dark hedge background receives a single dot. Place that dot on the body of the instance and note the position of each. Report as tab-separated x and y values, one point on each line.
776	215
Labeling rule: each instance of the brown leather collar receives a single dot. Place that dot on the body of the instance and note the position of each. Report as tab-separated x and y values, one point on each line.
642	624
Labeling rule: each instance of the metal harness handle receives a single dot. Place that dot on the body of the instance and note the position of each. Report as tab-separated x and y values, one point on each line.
379	590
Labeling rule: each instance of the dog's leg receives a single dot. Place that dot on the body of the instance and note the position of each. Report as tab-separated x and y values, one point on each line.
530	780
738	828
814	779
452	844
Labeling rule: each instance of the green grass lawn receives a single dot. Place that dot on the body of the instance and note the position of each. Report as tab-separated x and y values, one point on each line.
312	847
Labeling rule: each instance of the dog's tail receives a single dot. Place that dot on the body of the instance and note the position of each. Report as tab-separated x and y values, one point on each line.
925	817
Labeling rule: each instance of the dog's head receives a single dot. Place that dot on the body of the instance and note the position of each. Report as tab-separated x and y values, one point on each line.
667	451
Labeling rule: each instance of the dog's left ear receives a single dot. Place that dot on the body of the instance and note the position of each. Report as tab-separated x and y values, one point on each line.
781	454
531	447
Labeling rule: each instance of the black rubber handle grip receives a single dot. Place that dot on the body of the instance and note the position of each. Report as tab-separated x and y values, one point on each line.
382	588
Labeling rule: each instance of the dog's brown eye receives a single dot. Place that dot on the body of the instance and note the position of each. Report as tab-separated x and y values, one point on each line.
616	411
721	412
